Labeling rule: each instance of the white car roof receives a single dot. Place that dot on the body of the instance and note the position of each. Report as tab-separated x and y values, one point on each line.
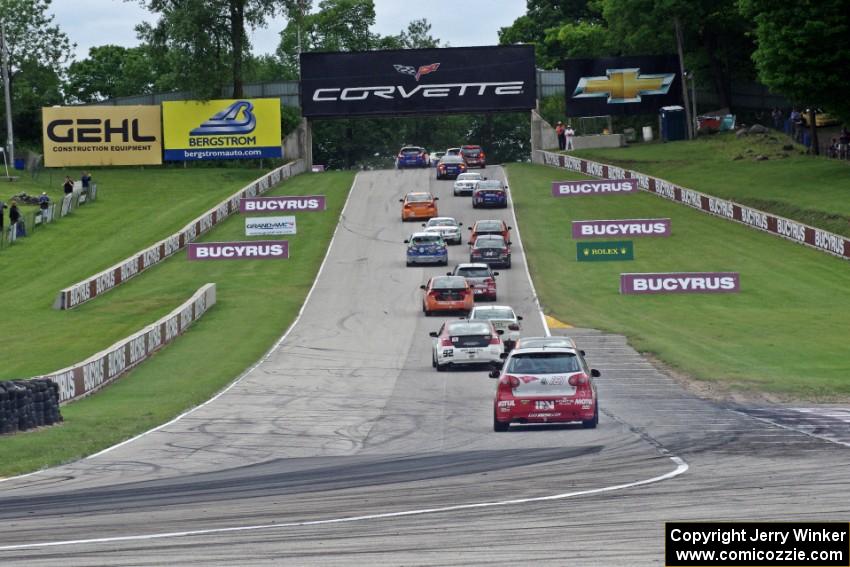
473	265
492	307
540	350
442	218
567	340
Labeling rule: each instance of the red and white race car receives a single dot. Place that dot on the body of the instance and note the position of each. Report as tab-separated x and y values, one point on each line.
545	385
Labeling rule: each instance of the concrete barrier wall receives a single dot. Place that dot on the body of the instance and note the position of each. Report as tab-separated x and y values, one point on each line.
820	240
108	279
100	369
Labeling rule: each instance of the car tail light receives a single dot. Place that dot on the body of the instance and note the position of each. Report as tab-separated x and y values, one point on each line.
490	282
511	381
579	380
433	294
494	340
446	342
481	155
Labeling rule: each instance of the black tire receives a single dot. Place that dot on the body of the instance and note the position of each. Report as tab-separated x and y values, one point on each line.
474	205
442	367
508	265
500	427
433	359
592	423
409	264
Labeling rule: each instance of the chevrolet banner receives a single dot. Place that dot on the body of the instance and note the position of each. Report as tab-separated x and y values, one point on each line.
101	135
222	129
621	85
418	81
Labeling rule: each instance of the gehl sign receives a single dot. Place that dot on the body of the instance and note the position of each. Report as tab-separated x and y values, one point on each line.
102	135
414	81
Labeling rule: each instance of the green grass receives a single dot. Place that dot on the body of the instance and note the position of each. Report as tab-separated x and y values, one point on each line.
815	191
256	302
785	333
134	209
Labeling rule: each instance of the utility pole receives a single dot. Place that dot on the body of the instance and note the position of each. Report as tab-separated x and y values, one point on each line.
685	96
10	143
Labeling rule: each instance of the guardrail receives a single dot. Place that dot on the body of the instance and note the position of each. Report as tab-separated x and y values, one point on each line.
821	240
98	284
92	374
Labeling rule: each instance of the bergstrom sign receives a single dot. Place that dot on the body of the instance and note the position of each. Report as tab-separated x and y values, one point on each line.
462	79
686	282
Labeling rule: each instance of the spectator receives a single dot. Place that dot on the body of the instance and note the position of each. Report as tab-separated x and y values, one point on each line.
85	178
777	118
559	132
15	222
796	125
44	205
843	143
2	207
568	135
69	185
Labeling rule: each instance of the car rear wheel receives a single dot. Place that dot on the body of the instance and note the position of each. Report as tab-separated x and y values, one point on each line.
433	359
442	367
592	423
426	312
500	426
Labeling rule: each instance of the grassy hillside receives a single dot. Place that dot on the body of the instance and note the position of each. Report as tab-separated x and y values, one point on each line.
815	191
782	334
257	300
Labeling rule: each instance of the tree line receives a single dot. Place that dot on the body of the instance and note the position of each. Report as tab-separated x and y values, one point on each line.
798	48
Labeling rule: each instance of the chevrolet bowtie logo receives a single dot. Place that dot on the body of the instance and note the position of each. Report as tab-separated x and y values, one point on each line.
623	85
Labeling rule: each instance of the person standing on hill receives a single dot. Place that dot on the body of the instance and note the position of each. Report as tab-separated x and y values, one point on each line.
44	205
559	132
69	185
14	218
568	135
85	179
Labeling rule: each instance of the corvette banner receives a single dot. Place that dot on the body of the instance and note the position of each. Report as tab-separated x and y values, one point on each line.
222	129
416	81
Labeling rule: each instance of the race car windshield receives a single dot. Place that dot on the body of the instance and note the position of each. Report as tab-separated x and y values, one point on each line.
469	177
461	329
490	185
471	151
409	151
543	363
449	282
473	272
441	222
418	198
494	314
452	159
436	239
491	226
537	343
489	243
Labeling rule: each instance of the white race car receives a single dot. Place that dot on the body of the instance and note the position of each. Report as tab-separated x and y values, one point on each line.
503	319
464	342
466	182
447	227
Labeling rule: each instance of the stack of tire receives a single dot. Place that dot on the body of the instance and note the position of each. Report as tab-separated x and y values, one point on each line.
27	404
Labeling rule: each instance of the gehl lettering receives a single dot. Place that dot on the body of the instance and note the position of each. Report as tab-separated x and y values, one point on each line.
95	130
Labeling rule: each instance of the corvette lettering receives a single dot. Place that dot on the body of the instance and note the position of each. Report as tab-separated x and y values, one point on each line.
708	282
391	92
603	187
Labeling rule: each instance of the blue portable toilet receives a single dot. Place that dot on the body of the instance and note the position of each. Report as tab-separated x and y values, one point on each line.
673	123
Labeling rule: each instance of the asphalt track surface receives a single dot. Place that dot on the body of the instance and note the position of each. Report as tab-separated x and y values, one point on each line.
344	447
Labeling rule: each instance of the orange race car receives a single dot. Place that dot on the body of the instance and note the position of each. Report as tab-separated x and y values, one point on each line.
447	293
418	205
497	227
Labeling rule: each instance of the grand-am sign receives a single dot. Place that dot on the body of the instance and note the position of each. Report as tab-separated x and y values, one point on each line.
685	282
269	226
587	187
461	79
625	227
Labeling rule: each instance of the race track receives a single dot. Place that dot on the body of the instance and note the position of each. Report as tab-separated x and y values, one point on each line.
345	447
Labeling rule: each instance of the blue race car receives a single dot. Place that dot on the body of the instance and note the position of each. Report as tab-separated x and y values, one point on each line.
412	156
450	167
426	248
489	193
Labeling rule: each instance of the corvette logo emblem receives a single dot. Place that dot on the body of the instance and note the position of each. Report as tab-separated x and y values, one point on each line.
237	118
423	70
623	85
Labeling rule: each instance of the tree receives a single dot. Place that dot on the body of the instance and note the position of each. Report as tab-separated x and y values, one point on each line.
111	71
209	36
802	51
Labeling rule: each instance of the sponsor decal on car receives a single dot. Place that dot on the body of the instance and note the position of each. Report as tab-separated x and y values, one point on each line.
544	405
507	403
